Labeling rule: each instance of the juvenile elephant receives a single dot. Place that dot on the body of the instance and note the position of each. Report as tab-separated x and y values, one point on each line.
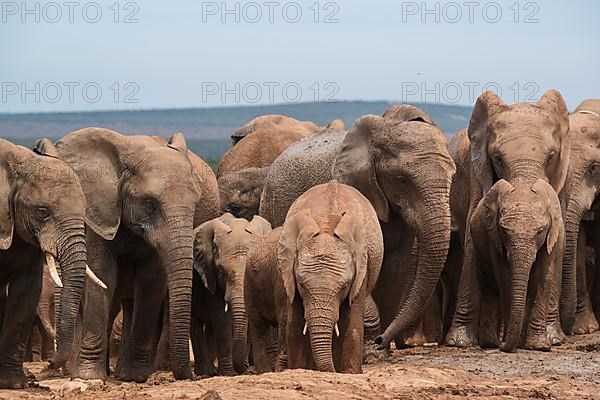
580	196
329	256
518	256
144	196
42	220
220	250
266	304
519	143
400	162
243	169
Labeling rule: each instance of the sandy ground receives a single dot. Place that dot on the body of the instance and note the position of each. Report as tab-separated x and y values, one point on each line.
571	371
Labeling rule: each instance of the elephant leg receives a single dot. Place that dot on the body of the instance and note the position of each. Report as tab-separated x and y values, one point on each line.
351	338
463	331
432	318
222	334
298	345
34	350
47	340
92	361
162	360
260	335
585	320
595	286
126	321
488	324
150	290
203	365
23	295
282	354
453	270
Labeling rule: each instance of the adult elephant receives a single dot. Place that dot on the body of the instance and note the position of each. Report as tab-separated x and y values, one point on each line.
144	197
42	220
519	143
243	169
579	194
399	162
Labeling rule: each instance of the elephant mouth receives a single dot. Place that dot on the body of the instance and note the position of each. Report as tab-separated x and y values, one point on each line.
54	267
336	329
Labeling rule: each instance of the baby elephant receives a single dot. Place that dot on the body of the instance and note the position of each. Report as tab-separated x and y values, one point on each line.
329	257
519	244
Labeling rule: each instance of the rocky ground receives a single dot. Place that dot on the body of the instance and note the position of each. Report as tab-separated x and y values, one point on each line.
571	371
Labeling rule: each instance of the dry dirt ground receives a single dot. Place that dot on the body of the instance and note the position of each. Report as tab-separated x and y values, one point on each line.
571	371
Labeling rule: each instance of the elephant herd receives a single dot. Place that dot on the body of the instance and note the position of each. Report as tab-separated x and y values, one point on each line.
310	246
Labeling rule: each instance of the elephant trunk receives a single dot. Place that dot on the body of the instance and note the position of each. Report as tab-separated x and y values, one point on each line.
321	329
176	256
72	258
568	295
240	329
433	238
521	266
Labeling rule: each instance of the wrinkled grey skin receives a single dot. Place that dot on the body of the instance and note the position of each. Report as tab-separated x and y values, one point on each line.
220	250
403	167
240	191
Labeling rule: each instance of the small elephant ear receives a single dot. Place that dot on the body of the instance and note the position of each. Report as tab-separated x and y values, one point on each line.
354	164
95	156
491	203
553	102
258	226
204	242
351	231
407	113
555	211
177	142
6	213
487	105
296	230
45	147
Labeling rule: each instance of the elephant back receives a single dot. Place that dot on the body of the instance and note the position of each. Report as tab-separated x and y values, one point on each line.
303	165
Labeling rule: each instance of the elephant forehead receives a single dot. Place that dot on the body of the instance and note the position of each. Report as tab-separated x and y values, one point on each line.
399	137
324	247
527	119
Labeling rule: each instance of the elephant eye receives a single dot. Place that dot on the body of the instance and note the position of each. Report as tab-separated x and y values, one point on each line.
594	168
150	206
551	156
498	158
42	213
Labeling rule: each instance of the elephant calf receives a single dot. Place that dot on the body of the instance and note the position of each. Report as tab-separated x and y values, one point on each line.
220	248
329	257
518	253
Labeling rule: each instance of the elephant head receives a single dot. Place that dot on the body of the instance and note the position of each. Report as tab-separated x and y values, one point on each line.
521	141
581	187
42	202
521	221
220	250
270	121
152	190
326	266
240	191
401	163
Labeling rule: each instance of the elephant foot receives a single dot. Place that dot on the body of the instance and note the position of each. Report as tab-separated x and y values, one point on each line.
461	336
416	340
556	334
133	375
585	322
13	379
90	372
184	373
205	371
539	342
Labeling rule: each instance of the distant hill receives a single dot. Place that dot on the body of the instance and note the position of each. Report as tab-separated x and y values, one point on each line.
208	129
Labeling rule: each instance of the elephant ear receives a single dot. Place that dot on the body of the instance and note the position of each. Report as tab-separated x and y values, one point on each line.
354	164
407	113
554	209
204	248
6	213
177	142
296	230
258	226
491	203
487	105
95	156
45	147
553	102
352	232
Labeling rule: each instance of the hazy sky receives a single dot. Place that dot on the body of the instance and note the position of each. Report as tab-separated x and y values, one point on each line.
191	54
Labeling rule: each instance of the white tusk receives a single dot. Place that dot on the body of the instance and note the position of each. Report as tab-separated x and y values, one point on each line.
53	271
305	328
337	330
94	278
226	306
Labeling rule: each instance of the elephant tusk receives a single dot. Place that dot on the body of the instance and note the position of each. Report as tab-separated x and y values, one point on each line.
94	278
305	328
226	306
51	263
337	330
